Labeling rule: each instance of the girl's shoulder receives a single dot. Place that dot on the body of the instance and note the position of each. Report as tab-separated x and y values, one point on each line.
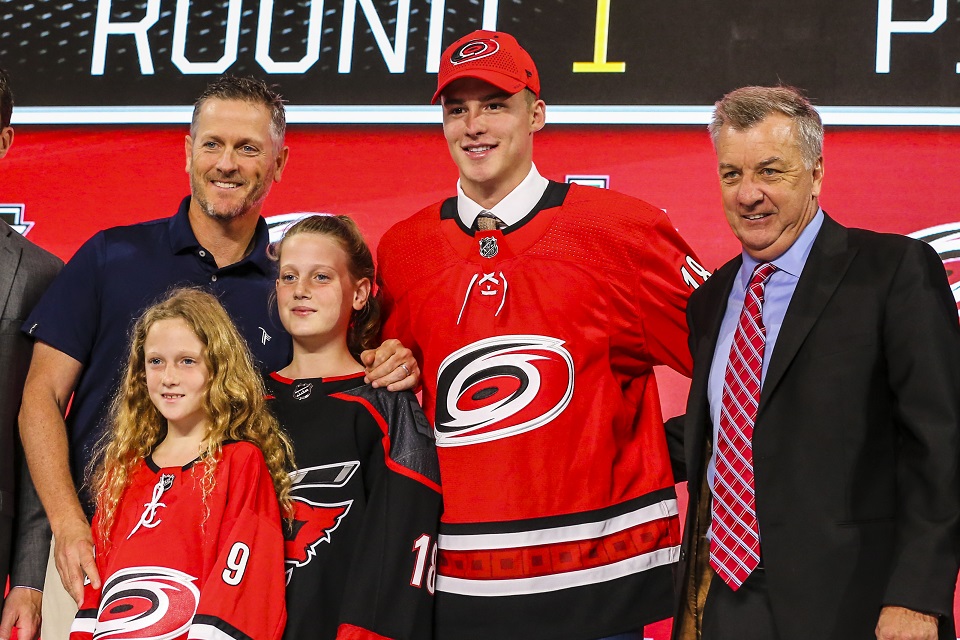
241	452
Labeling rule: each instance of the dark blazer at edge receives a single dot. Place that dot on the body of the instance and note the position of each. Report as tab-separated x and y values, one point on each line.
856	442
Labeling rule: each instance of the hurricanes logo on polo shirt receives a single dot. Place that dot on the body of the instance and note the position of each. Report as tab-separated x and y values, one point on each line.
474	50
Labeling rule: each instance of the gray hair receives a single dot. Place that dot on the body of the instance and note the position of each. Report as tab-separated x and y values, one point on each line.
745	107
249	90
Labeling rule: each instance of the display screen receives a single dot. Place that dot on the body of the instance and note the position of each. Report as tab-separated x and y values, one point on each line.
601	61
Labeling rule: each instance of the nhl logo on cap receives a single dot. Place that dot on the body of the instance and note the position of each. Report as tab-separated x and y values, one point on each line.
488	247
474	50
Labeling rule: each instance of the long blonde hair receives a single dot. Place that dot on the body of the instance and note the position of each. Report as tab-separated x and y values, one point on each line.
234	403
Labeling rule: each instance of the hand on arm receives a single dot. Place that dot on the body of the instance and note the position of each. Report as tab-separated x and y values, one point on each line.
898	623
391	365
21	610
50	381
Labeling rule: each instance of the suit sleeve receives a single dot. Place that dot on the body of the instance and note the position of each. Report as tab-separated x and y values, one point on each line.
922	344
32	535
31	531
389	592
243	596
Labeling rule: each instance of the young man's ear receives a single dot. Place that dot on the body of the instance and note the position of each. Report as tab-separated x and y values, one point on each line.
6	140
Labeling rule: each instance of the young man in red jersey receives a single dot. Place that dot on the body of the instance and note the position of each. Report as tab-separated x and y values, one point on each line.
537	310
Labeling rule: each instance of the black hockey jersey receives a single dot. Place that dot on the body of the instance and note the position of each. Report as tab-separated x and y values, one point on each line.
170	572
361	554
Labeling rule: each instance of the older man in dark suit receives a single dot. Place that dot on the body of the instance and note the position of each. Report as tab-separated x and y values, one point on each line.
822	432
25	271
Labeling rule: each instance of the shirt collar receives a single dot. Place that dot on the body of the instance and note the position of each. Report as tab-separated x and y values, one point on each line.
513	208
181	233
793	259
183	240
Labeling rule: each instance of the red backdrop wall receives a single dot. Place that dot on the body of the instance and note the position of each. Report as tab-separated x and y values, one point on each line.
73	182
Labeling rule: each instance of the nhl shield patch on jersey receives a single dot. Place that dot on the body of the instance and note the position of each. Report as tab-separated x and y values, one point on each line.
488	247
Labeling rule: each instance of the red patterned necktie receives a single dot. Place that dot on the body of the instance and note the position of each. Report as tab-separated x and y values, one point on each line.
735	541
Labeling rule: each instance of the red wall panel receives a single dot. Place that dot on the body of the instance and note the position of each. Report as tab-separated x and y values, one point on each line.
77	181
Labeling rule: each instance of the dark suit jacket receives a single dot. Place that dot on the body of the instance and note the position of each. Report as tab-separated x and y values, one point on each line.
856	443
25	272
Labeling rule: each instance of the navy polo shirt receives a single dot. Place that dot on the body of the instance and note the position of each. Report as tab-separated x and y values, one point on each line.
91	306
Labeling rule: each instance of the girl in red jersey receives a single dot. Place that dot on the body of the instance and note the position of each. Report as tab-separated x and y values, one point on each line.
187	528
360	554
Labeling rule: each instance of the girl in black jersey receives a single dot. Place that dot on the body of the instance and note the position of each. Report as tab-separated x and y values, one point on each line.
361	551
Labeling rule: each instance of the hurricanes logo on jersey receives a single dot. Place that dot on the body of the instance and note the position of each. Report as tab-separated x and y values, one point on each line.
152	603
313	522
500	387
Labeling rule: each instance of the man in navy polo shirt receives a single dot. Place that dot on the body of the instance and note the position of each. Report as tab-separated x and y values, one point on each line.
217	239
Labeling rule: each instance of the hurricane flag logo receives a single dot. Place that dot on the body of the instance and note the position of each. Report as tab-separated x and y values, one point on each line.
945	239
501	387
474	50
155	603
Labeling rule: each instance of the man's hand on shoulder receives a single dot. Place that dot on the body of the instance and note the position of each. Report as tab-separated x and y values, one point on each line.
899	623
391	365
73	551
21	610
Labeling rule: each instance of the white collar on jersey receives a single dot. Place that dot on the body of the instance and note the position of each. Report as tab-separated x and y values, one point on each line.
514	206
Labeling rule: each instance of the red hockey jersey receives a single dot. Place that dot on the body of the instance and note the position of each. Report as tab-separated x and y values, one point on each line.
170	573
361	553
537	347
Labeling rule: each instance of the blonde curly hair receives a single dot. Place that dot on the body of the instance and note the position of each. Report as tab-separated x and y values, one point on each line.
234	403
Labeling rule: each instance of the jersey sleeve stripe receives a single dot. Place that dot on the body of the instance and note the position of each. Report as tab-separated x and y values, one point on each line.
390	462
85	622
212	628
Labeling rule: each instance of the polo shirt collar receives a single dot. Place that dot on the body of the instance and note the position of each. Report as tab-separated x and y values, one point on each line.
183	240
513	208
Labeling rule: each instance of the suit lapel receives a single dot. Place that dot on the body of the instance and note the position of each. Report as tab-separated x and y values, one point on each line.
706	328
826	265
9	262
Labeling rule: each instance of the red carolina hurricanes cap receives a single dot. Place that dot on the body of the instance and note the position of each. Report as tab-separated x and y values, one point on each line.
491	56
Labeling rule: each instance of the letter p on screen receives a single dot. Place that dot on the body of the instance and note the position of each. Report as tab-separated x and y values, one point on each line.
887	26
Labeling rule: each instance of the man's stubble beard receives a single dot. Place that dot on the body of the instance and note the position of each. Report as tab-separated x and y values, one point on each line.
253	199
